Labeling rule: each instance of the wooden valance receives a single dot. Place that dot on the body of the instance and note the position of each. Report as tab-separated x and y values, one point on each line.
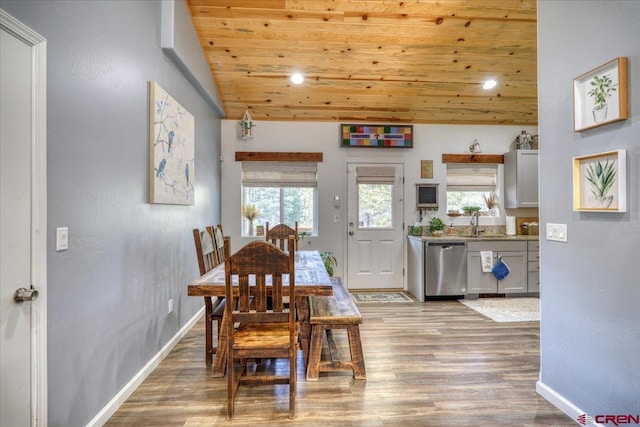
264	156
473	158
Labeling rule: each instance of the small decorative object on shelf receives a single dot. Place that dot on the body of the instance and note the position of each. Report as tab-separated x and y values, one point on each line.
251	213
491	201
475	147
469	210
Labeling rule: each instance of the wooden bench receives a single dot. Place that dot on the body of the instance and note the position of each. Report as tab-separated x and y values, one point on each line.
326	313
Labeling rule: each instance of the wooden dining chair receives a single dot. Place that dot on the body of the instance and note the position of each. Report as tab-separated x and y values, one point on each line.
262	333
214	310
279	235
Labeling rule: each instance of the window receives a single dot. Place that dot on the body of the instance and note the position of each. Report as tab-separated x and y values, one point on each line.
283	192
469	185
375	197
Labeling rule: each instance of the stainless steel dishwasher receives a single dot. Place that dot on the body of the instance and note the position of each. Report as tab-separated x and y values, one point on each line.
446	269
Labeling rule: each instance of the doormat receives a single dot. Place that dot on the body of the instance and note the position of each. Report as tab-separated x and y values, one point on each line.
381	297
506	309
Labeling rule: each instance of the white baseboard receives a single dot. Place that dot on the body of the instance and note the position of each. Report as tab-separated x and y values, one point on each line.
103	416
557	400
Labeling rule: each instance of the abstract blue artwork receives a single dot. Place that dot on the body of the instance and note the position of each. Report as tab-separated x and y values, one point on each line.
172	134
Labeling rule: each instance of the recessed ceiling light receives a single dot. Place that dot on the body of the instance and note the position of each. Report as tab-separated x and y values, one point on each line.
297	78
489	84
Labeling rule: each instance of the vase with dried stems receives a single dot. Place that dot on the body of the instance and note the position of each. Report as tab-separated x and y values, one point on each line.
251	213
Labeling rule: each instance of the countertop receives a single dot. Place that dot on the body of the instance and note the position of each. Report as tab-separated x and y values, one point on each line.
464	238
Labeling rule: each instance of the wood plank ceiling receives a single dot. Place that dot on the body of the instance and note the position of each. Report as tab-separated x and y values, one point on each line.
373	60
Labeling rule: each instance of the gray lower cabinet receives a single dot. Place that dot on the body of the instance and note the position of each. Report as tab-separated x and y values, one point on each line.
533	270
514	254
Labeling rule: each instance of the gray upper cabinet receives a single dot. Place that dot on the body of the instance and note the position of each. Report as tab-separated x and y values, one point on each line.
521	179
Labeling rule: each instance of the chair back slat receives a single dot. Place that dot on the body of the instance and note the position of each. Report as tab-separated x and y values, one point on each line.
279	235
205	250
218	240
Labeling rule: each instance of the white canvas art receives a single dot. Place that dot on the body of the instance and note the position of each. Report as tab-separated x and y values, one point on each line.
172	151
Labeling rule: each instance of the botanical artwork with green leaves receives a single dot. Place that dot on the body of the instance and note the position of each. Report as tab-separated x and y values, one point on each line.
600	95
599	176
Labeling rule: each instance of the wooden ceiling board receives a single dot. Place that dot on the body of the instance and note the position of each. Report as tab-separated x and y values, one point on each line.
373	60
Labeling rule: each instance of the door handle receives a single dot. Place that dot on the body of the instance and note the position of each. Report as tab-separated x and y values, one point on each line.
351	233
21	295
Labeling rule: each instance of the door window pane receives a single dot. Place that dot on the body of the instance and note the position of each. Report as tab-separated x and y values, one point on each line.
375	206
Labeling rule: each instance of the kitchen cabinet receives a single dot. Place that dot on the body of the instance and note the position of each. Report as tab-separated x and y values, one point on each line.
533	270
514	254
521	179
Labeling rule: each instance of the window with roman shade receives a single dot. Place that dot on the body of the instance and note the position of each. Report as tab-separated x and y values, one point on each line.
283	192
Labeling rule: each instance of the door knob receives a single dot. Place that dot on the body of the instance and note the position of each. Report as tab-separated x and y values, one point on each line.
21	295
351	233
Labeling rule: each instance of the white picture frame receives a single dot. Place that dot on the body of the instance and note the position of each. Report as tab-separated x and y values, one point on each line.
172	149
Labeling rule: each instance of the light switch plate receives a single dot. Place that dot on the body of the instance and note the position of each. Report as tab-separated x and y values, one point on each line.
62	239
557	232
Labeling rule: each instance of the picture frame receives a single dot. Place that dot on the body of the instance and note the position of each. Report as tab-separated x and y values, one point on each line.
172	149
376	136
600	96
426	169
259	230
600	182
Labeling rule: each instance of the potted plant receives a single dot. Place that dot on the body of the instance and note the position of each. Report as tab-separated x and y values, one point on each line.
436	226
469	210
601	179
600	91
329	261
251	213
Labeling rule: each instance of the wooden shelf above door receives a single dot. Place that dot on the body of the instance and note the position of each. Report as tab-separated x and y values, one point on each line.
272	156
473	158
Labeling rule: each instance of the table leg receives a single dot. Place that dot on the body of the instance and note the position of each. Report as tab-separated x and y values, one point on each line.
302	304
208	340
220	364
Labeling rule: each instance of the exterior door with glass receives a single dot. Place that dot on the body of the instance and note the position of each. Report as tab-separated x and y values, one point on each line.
375	226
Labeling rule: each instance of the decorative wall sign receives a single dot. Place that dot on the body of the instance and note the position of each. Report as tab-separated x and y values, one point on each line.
426	169
600	96
600	182
385	136
172	135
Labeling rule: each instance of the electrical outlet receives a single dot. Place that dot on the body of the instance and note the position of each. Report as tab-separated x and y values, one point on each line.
171	306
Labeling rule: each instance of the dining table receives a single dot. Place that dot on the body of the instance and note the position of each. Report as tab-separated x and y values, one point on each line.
311	278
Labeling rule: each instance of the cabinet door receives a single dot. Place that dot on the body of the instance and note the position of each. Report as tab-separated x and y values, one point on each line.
477	281
516	280
528	179
521	179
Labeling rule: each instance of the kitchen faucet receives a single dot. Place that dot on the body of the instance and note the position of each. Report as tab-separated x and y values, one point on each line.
475	221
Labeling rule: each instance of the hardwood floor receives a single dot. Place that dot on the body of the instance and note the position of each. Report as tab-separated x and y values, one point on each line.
428	364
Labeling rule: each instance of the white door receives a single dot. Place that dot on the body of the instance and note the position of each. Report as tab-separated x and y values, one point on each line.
375	226
20	346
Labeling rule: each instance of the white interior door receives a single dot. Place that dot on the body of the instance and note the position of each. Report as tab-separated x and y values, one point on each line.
22	226
375	226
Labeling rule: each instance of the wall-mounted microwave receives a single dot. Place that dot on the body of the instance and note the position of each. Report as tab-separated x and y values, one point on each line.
427	196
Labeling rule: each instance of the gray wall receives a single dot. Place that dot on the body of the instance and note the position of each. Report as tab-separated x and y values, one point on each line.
108	294
590	329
